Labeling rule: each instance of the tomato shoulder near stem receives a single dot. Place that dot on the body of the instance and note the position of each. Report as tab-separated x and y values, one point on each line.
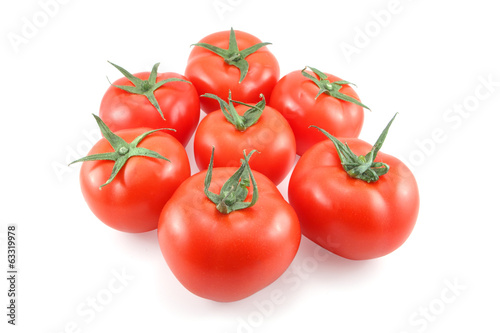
295	97
179	102
271	136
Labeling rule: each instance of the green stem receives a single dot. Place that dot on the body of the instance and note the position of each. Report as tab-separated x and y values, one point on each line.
235	190
145	87
122	150
232	55
361	167
249	118
330	88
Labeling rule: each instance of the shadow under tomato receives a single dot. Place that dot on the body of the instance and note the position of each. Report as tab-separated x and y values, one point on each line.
328	261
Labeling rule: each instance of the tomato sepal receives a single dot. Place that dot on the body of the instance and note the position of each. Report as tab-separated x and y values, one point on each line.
145	87
330	88
232	55
249	118
361	167
123	150
235	189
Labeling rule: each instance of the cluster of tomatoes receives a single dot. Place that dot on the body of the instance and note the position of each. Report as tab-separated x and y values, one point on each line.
227	232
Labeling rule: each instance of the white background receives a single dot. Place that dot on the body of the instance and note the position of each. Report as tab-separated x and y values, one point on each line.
426	60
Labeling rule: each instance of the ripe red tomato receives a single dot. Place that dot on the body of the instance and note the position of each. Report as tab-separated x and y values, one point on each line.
271	136
227	257
347	216
133	200
178	103
296	97
246	74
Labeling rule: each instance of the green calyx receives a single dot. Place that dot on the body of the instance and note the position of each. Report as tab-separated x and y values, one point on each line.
361	167
232	55
145	87
235	190
250	117
330	88
123	150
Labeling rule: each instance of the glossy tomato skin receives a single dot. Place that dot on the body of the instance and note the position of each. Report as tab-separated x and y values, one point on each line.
347	216
179	102
133	201
227	257
271	136
210	74
294	96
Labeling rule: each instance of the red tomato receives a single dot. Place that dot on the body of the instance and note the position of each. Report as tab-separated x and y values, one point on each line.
295	97
271	136
178	101
133	200
227	257
348	216
210	73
